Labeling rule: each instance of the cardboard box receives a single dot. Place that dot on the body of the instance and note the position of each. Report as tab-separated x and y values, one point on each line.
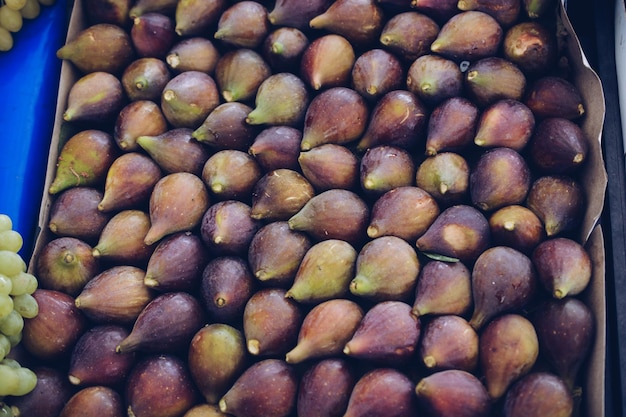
594	183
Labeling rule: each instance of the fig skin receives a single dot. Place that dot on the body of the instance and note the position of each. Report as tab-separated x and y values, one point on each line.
96	400
451	126
516	226
175	150
327	62
293	13
540	393
283	48
122	239
74	213
138	118
225	128
239	73
231	174
325	388
227	228
188	98
493	78
244	24
152	34
532	46
505	123
558	146
94	97
330	166
359	21
384	168
193	54
145	79
280	194
281	99
409	35
277	147
449	342
194	18
433	78
553	96
443	288
445	176
506	12
377	72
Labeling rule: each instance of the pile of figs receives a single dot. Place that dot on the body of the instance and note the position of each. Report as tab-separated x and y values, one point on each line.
314	208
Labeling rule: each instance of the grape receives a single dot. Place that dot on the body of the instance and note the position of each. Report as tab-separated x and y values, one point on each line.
10	19
12	324
15	4
6	285
15	340
9	380
5	346
26	305
31	9
28	380
11	240
11	263
6	305
5	223
5	411
6	39
23	283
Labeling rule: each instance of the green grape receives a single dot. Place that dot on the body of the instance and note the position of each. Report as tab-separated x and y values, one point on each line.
6	285
11	263
11	240
10	19
26	305
5	346
6	305
23	283
15	4
31	9
5	411
11	362
15	340
28	380
12	324
6	40
9	380
5	223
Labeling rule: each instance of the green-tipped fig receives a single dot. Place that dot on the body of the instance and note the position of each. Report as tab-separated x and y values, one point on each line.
74	213
160	386
326	329
153	35
445	176
94	360
338	115
227	284
506	12
451	393
433	78
271	322
333	214
122	239
558	201
276	252
166	324
327	62
195	18
116	295
451	126
193	54
277	147
84	160
281	99
227	227
325	388
565	329
552	96
563	266
225	128
449	342
409	35
280	194
386	269
188	98
405	212
539	393
532	46
239	73
468	36
243	25
324	273
460	232
516	226
382	391
66	264
558	146
94	97
377	72
501	177
283	48
175	150
177	203
145	79
399	118
443	288
231	174
129	182
491	79
330	166
213	344
96	401
503	280
384	168
508	351
138	118
505	123
359	21
100	47
297	14
387	335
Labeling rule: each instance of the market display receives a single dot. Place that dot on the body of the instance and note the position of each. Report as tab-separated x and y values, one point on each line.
321	208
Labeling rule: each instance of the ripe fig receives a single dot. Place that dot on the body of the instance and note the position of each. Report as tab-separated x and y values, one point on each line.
188	98
409	35
96	400
505	123
226	128
94	97
74	213
325	388
227	228
239	73
451	126
493	78
138	118
277	147
434	78
516	226
384	168
449	342
532	46
558	146
445	176
230	174
327	62
553	96
195	18
280	194
122	239
244	25
443	288
330	166
453	392
539	393
145	79
359	21
506	12
176	150
297	14
193	54
377	72
281	99
283	48
153	34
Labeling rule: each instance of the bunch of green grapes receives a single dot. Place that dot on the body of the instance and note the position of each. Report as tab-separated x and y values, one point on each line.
16	304
12	16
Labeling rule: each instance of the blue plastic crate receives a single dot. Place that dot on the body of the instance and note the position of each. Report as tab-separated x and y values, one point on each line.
29	80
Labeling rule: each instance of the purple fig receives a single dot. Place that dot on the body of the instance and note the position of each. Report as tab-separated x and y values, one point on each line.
443	288
176	150
409	34
383	391
449	342
231	174
75	213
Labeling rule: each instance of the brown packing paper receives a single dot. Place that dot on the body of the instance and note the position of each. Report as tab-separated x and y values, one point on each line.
594	183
